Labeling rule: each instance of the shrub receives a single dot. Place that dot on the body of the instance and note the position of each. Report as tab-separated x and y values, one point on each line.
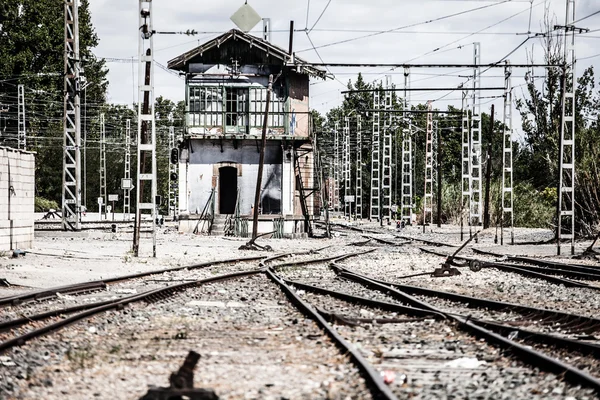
44	205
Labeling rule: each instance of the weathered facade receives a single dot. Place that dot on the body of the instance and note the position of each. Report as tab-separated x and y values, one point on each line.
226	93
17	188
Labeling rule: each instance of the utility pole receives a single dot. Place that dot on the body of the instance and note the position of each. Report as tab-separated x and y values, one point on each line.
507	160
126	184
407	156
374	208
22	135
261	161
428	190
465	167
475	188
566	178
267	29
386	165
173	175
488	173
347	172
336	167
146	133
358	208
71	182
102	168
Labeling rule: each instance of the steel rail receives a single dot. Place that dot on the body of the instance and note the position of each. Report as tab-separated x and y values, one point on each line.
527	354
388	242
537	337
521	270
322	260
584	324
545	263
393	307
118	304
379	389
69	310
101	284
429	242
284	255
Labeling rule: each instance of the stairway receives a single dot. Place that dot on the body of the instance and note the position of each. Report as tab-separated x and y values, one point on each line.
218	228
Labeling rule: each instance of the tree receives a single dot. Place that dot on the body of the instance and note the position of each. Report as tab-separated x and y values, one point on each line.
31	53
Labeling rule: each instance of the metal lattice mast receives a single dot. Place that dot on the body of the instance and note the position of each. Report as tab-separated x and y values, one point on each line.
428	190
358	208
71	183
336	167
566	192
21	136
173	175
407	181
347	170
374	208
146	132
466	165
386	165
102	165
507	215
476	170
127	175
434	165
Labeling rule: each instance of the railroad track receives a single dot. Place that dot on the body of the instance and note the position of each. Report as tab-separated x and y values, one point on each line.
415	310
166	294
548	274
414	334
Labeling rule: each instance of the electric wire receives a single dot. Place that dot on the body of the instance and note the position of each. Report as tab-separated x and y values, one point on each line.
408	26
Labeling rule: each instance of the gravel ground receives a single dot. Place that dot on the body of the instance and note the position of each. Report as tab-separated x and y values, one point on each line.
253	343
431	359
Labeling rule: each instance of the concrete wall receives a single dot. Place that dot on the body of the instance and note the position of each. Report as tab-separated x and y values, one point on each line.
205	157
17	193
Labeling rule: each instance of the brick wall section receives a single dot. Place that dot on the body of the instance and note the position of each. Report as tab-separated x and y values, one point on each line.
17	193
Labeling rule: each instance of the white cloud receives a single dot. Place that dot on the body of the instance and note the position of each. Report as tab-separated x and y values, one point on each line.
116	25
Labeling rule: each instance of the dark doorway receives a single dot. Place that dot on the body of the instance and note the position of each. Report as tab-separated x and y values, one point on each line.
227	189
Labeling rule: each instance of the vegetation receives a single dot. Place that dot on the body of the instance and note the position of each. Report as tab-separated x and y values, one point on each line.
32	51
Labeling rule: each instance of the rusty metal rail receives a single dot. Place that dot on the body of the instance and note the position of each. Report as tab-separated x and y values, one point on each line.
151	295
566	321
379	389
531	336
101	284
521	270
526	353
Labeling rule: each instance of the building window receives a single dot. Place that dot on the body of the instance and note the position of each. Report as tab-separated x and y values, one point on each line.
258	101
236	110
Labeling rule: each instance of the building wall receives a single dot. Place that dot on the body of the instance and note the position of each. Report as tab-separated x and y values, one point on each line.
17	194
201	168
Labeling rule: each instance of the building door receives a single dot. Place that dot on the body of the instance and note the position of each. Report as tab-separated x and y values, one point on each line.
227	189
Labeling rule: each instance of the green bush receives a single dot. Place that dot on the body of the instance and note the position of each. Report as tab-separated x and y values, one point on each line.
534	208
44	205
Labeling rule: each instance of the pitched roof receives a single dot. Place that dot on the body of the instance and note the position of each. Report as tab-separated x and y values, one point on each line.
179	63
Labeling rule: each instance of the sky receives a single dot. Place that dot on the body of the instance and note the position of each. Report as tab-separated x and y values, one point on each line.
423	31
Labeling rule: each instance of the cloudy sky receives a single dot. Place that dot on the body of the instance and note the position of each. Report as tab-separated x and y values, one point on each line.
418	32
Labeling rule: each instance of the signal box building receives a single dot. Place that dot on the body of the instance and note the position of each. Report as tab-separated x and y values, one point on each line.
226	92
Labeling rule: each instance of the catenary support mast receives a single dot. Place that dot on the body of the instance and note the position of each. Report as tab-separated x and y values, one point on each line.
358	206
102	195
126	184
146	136
407	181
22	134
476	208
71	182
374	209
566	185
507	217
